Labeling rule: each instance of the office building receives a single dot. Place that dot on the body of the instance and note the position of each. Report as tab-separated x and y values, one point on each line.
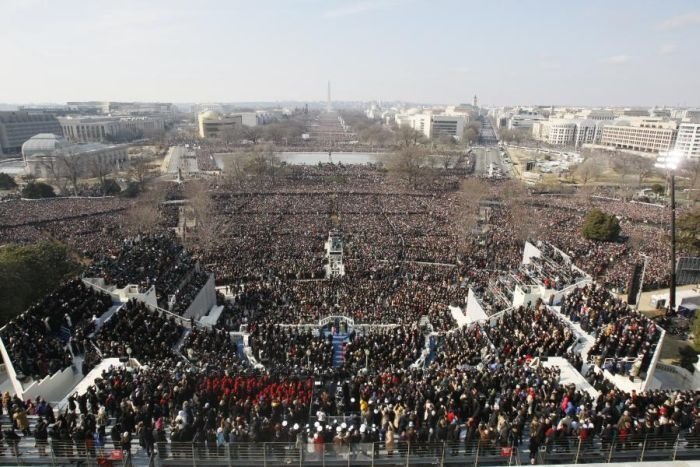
518	118
16	127
47	155
688	139
595	114
113	129
163	110
640	134
524	121
565	132
433	125
450	125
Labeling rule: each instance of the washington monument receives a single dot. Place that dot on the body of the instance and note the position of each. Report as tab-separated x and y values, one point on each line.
328	102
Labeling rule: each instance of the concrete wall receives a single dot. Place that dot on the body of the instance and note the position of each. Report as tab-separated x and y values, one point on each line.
53	387
474	311
523	295
9	367
204	301
529	251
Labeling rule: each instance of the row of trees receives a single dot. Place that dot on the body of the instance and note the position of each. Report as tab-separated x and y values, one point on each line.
258	162
283	132
376	133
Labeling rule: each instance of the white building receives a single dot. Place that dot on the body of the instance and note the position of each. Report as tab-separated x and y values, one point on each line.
97	129
451	125
640	134
47	155
596	114
514	118
165	110
688	139
433	125
524	121
566	132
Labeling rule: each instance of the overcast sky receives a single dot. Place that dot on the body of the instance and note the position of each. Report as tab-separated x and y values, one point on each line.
594	52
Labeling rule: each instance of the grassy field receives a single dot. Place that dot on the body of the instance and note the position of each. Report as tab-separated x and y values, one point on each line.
608	176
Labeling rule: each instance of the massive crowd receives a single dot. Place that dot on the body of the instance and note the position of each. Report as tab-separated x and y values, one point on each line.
35	341
406	260
149	334
620	333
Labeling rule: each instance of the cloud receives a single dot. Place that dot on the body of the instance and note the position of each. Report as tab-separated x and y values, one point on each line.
616	59
357	8
680	21
667	49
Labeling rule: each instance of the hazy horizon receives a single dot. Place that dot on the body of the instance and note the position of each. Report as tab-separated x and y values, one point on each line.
624	53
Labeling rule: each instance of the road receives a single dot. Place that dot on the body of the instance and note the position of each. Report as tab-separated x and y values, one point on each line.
487	135
484	157
181	158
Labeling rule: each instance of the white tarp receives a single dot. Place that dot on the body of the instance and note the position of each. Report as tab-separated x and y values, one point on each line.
474	311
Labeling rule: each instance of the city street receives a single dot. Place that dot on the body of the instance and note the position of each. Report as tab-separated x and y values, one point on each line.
484	157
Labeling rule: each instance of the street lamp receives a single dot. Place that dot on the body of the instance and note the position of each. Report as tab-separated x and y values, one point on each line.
308	357
129	352
670	160
366	358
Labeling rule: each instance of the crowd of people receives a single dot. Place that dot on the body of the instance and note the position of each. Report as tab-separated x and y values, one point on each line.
152	260
34	340
149	334
407	259
620	332
530	332
288	349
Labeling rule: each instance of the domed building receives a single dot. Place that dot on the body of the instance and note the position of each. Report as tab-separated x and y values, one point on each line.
48	155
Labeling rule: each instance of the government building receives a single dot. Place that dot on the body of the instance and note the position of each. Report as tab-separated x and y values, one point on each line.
47	155
18	127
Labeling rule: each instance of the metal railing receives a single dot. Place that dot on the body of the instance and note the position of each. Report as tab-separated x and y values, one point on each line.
571	450
562	450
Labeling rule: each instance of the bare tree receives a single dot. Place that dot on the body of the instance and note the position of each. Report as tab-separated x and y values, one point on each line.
692	168
139	169
100	169
407	165
208	223
643	167
71	165
445	141
470	136
446	159
409	136
234	170
472	193
231	135
145	214
260	161
584	194
588	170
622	163
252	133
53	169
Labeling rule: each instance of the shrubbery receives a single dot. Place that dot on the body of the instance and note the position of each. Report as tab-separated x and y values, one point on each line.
36	190
600	226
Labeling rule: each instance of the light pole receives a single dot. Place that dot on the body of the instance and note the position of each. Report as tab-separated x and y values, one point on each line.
308	357
670	161
366	358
